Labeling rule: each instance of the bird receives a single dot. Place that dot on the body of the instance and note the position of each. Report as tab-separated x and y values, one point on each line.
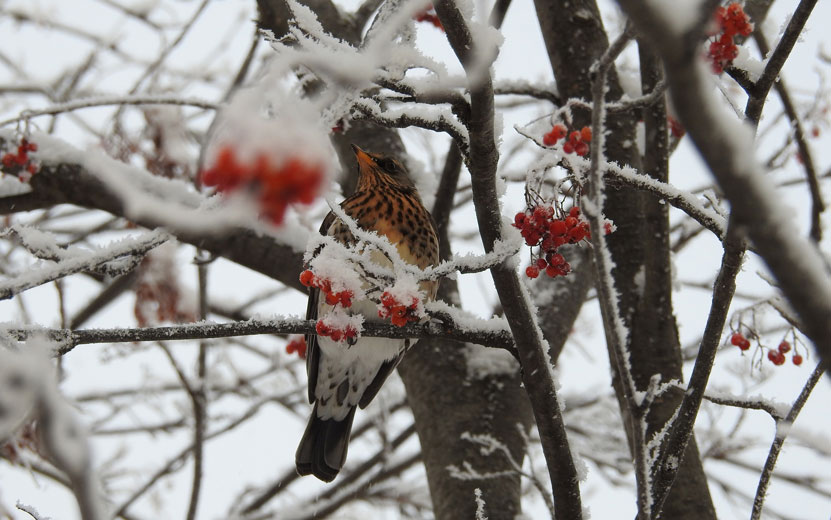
342	376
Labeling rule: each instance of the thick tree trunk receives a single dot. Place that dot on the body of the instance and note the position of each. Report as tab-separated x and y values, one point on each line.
575	39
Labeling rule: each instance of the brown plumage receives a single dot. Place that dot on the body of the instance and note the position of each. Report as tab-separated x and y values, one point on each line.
343	376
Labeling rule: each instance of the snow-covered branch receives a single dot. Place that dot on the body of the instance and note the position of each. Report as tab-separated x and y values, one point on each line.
103	101
129	247
486	334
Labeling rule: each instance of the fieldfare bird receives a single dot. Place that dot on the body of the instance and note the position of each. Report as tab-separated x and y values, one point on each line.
343	375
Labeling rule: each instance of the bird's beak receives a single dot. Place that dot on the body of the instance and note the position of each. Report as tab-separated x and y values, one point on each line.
364	160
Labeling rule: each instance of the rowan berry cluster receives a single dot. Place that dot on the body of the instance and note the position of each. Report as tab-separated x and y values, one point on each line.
297	345
346	333
398	313
342	298
429	15
15	163
293	181
732	21
776	356
577	142
539	227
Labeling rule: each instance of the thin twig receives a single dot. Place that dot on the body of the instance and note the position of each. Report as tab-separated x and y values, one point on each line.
782	429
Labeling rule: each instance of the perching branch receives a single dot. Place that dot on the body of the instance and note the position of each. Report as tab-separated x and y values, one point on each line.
536	373
69	339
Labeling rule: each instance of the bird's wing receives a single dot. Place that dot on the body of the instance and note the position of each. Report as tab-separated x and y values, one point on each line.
312	348
383	373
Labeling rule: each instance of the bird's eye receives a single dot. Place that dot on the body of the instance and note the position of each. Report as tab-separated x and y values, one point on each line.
386	164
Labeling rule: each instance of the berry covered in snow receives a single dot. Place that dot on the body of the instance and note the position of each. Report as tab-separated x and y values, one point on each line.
337	296
275	185
336	331
398	309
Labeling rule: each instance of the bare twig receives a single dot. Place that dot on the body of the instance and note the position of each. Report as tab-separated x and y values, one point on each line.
782	428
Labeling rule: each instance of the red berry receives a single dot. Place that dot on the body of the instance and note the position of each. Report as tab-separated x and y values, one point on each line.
519	219
532	271
776	357
574	212
541	263
586	134
549	139
576	234
568	147
558	131
797	359
571	222
737	339
558	227
581	149
784	347
556	259
307	277
574	137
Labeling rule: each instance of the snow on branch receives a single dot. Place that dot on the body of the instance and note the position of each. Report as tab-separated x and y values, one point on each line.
28	392
78	104
680	199
429	118
69	264
149	199
489	333
490	445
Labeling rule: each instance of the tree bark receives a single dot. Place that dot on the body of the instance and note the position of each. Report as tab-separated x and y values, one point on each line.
575	39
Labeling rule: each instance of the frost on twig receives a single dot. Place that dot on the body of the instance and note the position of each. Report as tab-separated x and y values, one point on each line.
490	445
73	261
28	392
480	504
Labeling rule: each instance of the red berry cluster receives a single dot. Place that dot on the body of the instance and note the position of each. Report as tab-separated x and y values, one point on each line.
398	313
577	142
740	341
732	21
539	228
347	333
429	15
342	298
14	163
298	345
777	356
277	187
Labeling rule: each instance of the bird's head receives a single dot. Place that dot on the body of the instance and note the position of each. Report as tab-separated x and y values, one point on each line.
375	169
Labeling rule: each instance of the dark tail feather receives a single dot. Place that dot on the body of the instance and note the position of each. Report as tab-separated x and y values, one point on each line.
322	449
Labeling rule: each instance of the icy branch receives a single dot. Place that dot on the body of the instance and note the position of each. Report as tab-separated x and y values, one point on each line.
110	101
487	335
77	263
